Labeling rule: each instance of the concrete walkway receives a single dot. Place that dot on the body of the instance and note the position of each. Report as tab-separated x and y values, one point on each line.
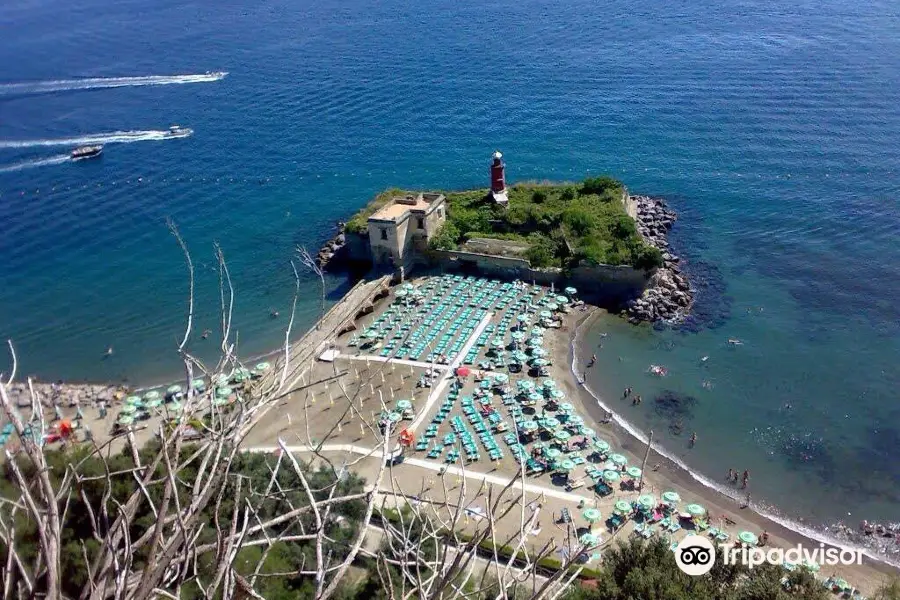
367	358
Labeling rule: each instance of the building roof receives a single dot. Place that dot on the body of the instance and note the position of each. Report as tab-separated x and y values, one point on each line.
400	206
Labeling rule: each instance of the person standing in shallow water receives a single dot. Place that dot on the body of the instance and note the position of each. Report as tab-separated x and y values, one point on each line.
745	479
693	440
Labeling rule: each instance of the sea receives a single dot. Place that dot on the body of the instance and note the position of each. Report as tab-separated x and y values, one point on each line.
771	127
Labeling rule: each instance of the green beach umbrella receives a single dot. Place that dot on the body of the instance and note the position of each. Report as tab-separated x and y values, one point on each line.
518	336
540	362
566	465
174	389
566	407
134	400
535	340
546	314
370	334
551	423
570	291
535	397
601	445
175	406
557	394
224	392
198	384
154	403
522	318
587	432
393	417
562	435
497	342
622	507
618	459
241	374
548	384
633	472
525	384
263	366
591	515
129	409
843	584
589	539
810	565
647	501
562	299
501	378
748	537
695	510
539	352
671	497
125	419
530	426
220	401
152	395
401	293
404	404
611	476
553	306
574	420
221	379
552	453
521	357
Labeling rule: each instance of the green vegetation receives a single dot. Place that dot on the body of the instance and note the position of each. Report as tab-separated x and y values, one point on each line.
563	225
358	223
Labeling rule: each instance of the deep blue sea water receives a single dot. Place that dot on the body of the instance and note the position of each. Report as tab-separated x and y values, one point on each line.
772	128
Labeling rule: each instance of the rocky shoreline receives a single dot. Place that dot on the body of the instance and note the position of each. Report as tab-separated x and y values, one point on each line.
331	248
668	297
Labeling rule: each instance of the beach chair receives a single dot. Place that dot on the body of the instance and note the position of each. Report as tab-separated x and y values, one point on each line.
639	529
648	532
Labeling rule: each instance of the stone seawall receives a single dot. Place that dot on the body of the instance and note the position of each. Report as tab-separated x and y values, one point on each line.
668	295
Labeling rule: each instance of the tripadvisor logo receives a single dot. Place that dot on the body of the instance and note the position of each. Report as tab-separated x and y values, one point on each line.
695	555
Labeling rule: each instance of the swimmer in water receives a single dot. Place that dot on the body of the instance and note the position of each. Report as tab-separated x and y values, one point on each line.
206	333
705	358
109	352
273	313
735	342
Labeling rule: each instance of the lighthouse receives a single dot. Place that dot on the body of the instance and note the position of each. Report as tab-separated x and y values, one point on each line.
498	179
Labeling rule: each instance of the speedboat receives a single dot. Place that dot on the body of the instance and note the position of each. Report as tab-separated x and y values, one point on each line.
86	152
178	131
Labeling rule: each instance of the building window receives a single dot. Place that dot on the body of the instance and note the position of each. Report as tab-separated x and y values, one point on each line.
421	222
383	233
440	213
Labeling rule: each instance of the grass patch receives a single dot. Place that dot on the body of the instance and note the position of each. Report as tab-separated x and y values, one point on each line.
359	223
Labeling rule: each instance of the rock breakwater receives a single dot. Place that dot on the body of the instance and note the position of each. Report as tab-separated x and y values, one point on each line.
332	247
668	296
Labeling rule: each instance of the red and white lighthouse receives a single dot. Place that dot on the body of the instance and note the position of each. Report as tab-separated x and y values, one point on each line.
498	179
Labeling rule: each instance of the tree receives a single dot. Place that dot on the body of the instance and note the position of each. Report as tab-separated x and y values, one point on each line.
446	238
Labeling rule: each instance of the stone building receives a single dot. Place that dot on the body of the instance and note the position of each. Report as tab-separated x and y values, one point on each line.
405	225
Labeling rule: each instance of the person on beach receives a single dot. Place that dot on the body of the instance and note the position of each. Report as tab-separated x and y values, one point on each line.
730	474
103	409
693	441
637	400
764	538
745	479
593	360
627	392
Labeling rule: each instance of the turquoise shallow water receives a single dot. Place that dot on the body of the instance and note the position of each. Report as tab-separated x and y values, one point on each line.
772	129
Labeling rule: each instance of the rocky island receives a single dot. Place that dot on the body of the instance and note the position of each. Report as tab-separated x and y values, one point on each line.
591	234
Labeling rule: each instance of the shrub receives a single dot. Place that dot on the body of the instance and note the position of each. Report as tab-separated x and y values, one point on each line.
538	196
447	237
600	185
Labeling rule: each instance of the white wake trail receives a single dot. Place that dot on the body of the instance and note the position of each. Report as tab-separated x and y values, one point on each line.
97	83
39	162
114	137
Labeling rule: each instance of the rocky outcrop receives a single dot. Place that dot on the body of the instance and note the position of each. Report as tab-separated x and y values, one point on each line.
333	246
668	295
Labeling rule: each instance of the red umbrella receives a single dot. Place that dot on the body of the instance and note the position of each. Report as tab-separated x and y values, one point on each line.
463	371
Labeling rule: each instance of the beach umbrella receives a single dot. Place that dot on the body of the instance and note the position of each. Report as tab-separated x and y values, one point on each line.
404	404
587	432
562	435
538	352
530	425
522	318
198	384
548	384
175	406
551	423
574	420
394	417
535	340
518	335
557	394
671	497
561	299
618	459
647	501
501	378
125	419
221	379
570	291
633	472
463	371
370	334
174	389
540	362
566	465
553	306
611	476
152	395
589	539
263	367
534	397
546	314
525	384
843	584
622	507
154	403
497	342
566	407
224	392
537	331
135	400
240	374
601	445
129	409
553	453
810	565
695	510
591	515
401	293
521	357
748	537
220	401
